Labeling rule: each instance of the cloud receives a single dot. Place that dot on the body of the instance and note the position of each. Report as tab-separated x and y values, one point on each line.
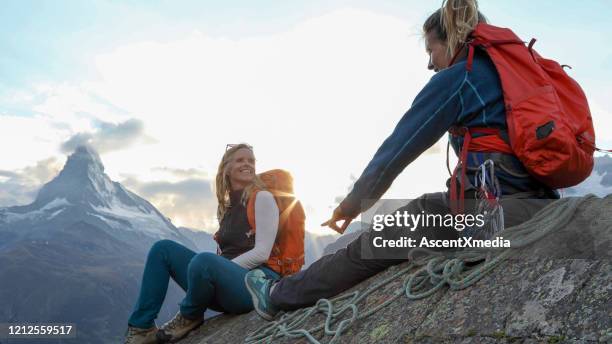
189	202
316	99
438	147
183	173
39	118
26	140
602	121
21	186
109	136
72	105
330	86
338	199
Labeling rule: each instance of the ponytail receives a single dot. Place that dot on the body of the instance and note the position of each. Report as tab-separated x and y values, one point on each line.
454	22
459	18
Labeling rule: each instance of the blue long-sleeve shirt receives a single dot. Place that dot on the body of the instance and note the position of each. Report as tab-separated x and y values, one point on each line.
453	96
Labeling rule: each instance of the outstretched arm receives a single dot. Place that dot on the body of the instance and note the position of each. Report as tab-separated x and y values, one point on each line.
432	113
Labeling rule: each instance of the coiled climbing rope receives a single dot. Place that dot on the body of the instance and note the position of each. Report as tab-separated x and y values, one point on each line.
427	272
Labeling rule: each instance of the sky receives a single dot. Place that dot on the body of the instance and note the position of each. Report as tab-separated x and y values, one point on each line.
160	87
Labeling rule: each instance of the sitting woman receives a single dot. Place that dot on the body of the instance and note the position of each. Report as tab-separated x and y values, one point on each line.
210	280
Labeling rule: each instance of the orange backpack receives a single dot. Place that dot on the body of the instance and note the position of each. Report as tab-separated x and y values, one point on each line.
287	256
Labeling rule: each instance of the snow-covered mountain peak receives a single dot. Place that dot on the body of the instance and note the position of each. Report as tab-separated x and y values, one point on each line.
83	192
85	157
82	180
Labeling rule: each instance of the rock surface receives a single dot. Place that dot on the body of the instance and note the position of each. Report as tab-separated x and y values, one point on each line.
549	298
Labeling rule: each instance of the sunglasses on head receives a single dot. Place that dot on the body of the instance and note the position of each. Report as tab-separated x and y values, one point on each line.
232	145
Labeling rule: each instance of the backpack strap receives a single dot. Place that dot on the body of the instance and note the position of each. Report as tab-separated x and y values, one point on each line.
591	144
283	215
250	208
476	41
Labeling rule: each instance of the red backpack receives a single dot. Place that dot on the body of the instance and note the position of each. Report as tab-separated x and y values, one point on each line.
550	128
287	256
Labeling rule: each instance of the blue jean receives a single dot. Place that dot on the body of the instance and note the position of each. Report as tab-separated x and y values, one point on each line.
209	280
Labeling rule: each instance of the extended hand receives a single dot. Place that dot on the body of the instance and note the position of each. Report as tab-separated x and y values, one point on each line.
338	216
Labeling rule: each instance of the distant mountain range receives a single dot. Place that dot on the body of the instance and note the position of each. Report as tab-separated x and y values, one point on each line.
351	233
202	240
76	254
82	192
598	183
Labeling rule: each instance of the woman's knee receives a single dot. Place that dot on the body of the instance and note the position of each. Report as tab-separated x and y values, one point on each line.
161	246
203	262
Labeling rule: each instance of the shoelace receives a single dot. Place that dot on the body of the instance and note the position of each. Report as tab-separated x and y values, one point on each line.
178	320
131	334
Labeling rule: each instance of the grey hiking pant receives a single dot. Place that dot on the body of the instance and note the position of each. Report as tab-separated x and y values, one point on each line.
337	272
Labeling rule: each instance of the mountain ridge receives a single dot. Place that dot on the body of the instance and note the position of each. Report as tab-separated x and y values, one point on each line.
86	237
84	191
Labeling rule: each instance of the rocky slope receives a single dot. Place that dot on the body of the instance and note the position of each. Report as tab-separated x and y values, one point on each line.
558	290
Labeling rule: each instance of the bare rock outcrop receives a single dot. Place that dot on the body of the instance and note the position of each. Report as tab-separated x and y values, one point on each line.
558	290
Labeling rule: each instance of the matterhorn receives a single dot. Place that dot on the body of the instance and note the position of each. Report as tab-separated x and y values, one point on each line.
76	254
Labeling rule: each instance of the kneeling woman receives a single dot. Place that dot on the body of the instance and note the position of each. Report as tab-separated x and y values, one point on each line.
210	280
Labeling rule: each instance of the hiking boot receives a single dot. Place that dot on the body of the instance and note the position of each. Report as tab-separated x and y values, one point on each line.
258	286
135	335
177	328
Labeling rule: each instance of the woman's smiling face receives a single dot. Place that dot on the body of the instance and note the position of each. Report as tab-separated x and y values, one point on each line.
241	170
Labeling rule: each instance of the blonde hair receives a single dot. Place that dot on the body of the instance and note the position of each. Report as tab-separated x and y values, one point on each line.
454	22
223	185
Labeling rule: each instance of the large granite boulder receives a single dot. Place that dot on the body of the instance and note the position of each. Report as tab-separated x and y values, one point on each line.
562	294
